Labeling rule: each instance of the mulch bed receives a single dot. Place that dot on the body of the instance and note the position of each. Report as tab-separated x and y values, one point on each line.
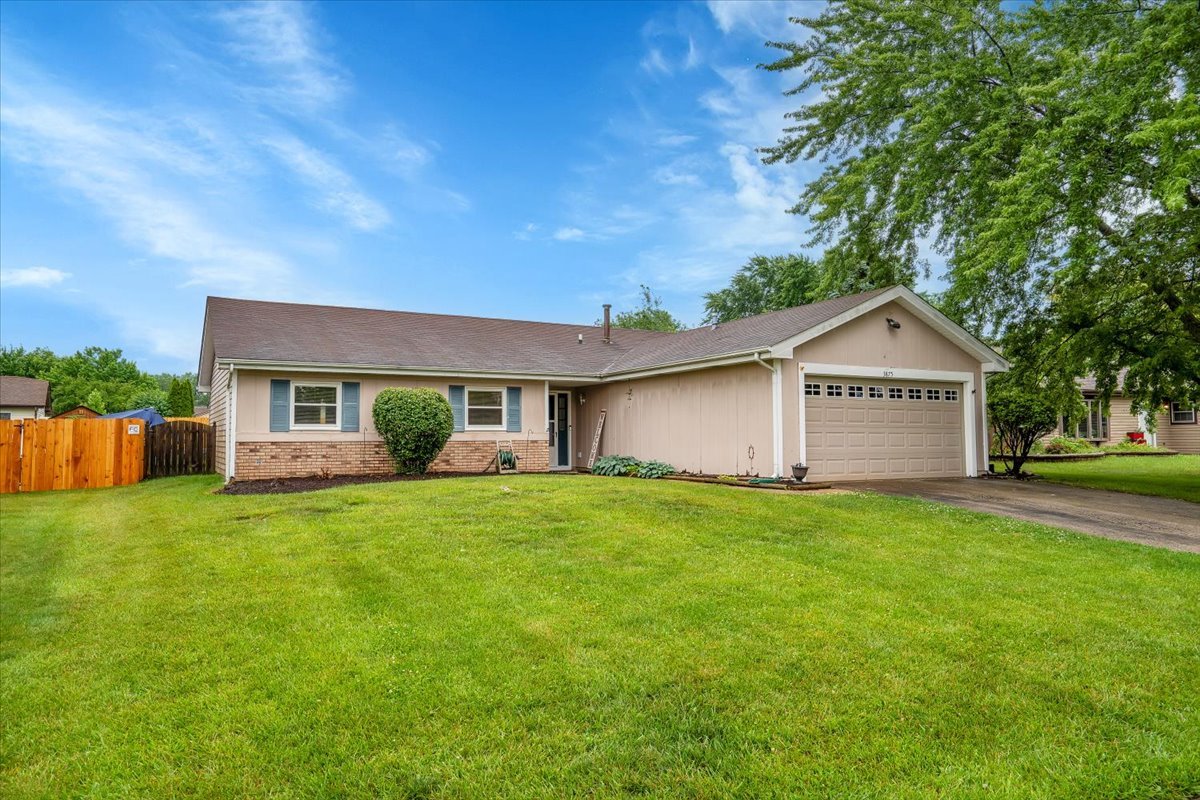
315	482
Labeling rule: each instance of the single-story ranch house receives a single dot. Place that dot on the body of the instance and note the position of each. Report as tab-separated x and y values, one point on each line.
23	398
875	385
1176	426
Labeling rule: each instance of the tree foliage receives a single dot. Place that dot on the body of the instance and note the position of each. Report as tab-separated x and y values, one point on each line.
181	398
415	425
648	316
1019	415
766	283
97	377
1050	150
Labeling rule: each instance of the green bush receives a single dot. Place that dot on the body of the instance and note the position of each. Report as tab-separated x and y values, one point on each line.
1020	415
654	469
613	466
415	424
1131	447
1066	445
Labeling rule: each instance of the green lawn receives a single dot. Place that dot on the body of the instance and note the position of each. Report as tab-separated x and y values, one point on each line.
1165	476
570	636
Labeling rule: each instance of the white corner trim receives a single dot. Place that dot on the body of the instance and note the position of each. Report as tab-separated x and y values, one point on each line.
802	421
777	417
912	302
969	435
983	418
231	424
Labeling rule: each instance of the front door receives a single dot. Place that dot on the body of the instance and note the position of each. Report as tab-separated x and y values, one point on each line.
560	429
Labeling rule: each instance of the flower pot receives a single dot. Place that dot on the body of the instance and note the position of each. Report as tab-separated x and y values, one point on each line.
799	471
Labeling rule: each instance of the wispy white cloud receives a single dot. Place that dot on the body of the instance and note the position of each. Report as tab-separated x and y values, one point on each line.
280	40
675	139
767	19
336	191
526	232
655	63
36	277
570	234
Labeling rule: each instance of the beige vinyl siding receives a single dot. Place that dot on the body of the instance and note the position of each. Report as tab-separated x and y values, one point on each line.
254	406
1181	437
705	421
218	403
1121	419
21	412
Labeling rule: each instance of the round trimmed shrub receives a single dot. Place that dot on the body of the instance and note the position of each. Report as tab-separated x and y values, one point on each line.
415	425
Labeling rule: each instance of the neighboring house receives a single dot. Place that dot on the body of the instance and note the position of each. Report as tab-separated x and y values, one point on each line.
1177	426
78	412
23	398
878	384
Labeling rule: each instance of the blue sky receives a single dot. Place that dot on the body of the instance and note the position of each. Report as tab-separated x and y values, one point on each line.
518	160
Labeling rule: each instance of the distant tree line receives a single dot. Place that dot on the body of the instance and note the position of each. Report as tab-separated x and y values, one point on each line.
103	380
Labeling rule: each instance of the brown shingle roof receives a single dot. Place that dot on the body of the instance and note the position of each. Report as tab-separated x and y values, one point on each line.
16	390
266	331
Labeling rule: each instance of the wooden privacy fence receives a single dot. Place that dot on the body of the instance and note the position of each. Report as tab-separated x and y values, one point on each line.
180	448
41	454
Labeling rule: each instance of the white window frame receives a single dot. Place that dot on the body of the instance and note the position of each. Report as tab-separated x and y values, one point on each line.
950	395
336	425
503	390
1176	410
895	393
812	389
910	390
833	390
933	394
874	392
852	388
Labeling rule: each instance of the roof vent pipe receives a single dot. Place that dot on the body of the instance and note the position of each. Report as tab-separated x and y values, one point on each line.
607	324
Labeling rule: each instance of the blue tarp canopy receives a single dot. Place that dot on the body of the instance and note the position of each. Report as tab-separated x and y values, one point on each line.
149	415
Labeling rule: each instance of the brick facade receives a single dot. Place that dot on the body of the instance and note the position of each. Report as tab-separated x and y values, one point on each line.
258	460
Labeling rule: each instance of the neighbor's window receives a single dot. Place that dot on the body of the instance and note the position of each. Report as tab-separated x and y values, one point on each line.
952	395
914	394
314	405
895	393
1181	415
485	408
933	394
833	390
812	390
875	392
854	391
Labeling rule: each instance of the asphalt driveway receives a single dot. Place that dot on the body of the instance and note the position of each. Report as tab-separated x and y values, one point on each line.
1155	521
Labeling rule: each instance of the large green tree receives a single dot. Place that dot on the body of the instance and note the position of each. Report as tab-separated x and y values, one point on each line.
766	283
649	315
1051	152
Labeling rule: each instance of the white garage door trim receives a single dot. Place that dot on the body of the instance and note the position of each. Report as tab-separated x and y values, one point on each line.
967	379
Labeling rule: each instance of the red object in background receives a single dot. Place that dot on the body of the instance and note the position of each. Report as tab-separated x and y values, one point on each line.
1136	436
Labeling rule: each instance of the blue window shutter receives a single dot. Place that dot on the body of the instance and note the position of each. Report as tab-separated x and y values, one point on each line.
458	404
514	410
350	406
281	392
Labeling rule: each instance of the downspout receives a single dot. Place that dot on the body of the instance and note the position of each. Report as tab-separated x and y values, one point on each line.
776	368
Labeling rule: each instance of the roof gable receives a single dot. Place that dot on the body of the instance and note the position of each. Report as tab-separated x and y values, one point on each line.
17	390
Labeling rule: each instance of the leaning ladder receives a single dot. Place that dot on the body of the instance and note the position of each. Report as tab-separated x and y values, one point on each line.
596	438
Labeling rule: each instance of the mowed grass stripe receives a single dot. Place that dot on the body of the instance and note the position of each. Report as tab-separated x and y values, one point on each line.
571	636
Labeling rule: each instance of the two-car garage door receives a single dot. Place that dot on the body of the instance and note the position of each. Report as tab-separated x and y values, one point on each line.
860	429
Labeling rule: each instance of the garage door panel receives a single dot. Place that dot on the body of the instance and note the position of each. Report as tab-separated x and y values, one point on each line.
911	436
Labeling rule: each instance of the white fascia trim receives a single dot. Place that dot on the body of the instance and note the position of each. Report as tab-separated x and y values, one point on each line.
898	373
747	357
913	303
428	372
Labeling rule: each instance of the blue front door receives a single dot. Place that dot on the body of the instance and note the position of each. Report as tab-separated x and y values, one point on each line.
560	429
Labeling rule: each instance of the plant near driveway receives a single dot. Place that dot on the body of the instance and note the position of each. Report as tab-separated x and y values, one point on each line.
415	425
551	636
1020	416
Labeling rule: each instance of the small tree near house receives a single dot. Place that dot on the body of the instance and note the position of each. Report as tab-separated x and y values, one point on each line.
1020	416
180	399
415	425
